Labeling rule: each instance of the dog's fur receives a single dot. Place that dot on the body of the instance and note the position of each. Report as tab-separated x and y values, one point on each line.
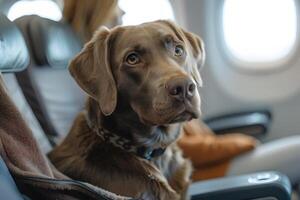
133	102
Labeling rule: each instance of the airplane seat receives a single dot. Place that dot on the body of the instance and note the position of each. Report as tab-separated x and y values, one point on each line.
51	92
267	185
14	57
15	62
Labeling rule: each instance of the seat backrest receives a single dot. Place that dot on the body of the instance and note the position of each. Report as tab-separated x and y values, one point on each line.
14	58
14	54
47	85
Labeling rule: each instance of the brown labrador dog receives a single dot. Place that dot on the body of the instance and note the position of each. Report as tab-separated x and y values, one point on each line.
142	81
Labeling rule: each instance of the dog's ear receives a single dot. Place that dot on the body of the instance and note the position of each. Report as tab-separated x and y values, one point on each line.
198	52
196	44
92	71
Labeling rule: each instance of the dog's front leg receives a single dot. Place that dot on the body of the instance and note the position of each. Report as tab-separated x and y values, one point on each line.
180	179
158	186
180	170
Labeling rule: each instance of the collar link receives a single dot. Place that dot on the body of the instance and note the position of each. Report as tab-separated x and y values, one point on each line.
147	153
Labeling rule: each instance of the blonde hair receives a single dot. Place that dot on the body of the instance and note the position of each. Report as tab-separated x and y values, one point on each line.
85	16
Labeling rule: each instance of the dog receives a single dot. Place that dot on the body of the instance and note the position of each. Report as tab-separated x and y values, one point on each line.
142	82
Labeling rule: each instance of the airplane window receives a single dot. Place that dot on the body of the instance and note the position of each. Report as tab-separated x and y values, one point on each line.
44	8
139	11
259	31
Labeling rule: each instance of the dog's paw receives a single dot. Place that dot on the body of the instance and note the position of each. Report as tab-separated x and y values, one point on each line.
162	195
169	196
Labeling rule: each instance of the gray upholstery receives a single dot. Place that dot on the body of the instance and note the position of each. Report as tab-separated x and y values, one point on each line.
14	54
62	97
8	188
53	95
53	43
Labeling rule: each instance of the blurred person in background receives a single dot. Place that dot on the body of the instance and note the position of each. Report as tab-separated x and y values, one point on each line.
86	16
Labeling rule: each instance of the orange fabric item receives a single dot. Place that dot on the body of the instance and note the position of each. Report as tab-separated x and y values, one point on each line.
210	171
210	153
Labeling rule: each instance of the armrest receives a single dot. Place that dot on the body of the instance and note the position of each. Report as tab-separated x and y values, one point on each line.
253	123
269	185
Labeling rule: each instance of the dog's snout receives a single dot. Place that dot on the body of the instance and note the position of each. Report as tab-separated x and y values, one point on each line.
181	88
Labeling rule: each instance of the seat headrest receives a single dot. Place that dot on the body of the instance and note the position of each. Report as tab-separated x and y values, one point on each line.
13	50
53	43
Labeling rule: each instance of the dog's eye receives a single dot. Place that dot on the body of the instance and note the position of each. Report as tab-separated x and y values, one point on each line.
178	50
133	59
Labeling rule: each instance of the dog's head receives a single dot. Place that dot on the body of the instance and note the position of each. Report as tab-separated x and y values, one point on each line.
153	66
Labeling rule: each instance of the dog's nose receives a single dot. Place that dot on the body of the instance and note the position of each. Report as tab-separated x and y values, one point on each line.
181	88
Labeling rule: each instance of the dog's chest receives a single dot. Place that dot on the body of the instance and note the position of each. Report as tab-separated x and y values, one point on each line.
165	163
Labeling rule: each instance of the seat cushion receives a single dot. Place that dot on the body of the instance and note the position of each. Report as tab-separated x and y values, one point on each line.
62	98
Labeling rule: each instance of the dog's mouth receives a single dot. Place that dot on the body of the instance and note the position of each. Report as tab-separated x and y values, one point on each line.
175	115
184	116
182	112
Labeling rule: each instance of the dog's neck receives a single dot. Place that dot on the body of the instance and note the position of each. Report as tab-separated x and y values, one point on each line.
125	123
